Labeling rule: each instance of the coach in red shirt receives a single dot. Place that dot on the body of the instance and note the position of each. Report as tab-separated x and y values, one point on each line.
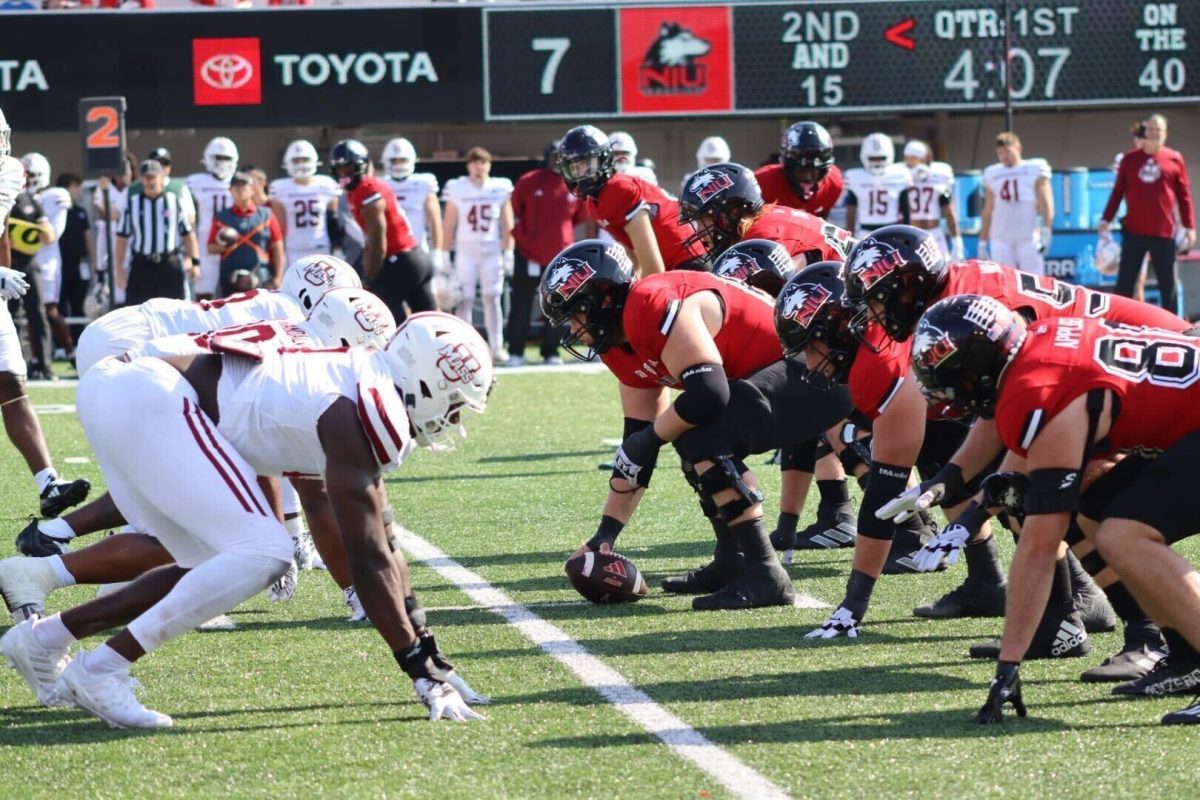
546	215
1152	179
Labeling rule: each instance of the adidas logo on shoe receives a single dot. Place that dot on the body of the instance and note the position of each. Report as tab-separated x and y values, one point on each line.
1068	637
832	538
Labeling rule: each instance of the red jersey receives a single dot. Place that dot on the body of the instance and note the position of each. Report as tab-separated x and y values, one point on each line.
804	235
876	377
1152	186
625	196
747	341
373	190
1154	374
776	189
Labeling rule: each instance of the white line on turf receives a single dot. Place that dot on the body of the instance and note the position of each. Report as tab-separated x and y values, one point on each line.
738	778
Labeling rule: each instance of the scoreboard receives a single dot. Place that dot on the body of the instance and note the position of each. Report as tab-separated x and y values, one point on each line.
836	57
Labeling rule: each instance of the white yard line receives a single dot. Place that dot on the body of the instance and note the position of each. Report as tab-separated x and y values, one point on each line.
684	740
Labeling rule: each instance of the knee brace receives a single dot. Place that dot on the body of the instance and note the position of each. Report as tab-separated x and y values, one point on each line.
856	452
823	448
707	506
727	473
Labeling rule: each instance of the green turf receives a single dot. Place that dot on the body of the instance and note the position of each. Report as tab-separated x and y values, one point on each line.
299	701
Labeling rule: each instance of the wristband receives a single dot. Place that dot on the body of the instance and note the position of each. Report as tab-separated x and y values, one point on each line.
610	528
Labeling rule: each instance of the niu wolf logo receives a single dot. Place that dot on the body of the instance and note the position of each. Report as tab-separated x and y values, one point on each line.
670	65
932	346
801	302
874	260
737	267
709	184
567	276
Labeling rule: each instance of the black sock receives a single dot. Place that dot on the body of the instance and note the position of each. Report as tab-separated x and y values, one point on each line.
1182	651
786	524
858	593
983	562
834	492
1060	589
1080	580
752	538
1123	603
727	551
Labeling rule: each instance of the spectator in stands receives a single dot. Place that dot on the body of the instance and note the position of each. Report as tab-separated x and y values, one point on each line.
247	237
545	218
1153	181
78	253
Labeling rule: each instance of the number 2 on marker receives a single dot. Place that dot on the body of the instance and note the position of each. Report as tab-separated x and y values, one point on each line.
102	135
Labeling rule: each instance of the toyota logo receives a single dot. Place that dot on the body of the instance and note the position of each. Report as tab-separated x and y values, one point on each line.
226	71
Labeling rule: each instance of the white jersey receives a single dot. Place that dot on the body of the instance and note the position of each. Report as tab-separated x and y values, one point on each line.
478	209
12	183
645	173
411	193
55	203
878	197
272	334
1014	198
211	195
167	317
304	206
932	187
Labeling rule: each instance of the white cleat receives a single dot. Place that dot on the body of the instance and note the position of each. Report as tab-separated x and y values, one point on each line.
306	554
39	666
284	589
357	614
109	697
221	622
26	582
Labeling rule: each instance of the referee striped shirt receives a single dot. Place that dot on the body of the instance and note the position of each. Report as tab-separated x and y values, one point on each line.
154	225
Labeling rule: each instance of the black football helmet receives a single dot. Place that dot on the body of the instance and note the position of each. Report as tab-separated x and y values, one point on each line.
806	154
810	309
760	263
725	194
550	154
590	278
349	160
900	267
961	348
585	160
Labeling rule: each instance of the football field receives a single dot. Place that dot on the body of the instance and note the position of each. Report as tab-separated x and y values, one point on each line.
650	700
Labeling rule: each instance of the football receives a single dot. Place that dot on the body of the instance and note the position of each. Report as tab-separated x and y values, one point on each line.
606	578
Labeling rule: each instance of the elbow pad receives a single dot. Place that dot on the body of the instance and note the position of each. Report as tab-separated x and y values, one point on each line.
705	394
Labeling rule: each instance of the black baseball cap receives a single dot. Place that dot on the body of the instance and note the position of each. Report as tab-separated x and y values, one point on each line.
150	167
162	155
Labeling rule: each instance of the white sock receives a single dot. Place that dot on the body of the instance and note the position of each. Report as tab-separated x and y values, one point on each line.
295	526
105	661
44	478
65	578
51	633
289	498
491	321
57	528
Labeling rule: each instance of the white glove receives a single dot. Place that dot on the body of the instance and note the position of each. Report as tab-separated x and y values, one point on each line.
948	544
1046	233
921	497
12	284
443	701
443	261
508	259
464	689
435	259
840	622
982	252
957	253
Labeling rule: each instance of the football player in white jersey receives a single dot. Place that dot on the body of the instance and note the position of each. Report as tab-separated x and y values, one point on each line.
304	202
19	420
219	419
931	198
712	150
417	194
1016	191
210	189
479	217
877	192
625	157
56	203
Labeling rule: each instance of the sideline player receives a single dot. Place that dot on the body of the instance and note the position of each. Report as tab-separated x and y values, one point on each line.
625	158
304	203
712	150
210	190
1015	192
805	177
417	194
713	339
56	203
876	192
931	198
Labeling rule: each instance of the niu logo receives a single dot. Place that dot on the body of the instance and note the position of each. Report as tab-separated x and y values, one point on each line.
227	72
671	64
616	568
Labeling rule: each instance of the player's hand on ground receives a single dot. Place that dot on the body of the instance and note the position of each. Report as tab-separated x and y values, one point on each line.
840	623
1005	688
583	548
430	647
12	284
948	544
443	701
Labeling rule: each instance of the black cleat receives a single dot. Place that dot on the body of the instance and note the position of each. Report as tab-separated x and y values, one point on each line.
61	495
706	580
1059	635
1131	663
32	542
835	527
968	599
783	542
1184	716
768	585
1166	678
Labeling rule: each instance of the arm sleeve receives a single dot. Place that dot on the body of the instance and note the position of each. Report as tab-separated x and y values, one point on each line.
1118	191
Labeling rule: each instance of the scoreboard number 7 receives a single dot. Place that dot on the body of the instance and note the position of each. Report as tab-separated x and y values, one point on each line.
557	47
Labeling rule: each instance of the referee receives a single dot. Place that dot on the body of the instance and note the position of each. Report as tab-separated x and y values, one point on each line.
155	226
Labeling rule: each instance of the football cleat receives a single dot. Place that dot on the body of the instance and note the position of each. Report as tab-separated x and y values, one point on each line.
221	622
706	580
306	554
968	599
1133	662
284	589
25	583
765	585
1184	716
61	495
1060	634
1166	678
32	542
357	614
39	666
109	697
1093	607
835	527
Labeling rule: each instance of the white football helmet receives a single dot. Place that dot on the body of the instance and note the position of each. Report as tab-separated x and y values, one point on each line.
713	150
447	289
301	159
877	153
399	150
441	365
624	150
221	158
309	278
349	317
5	136
37	171
1107	257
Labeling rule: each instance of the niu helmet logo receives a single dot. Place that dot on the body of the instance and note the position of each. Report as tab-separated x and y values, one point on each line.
932	347
567	276
802	301
457	362
671	64
874	261
227	71
738	268
709	184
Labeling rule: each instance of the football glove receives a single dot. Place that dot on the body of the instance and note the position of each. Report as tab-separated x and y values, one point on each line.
638	450
430	647
948	544
507	261
12	284
945	488
1006	490
956	249
982	252
443	701
1006	688
1046	234
840	622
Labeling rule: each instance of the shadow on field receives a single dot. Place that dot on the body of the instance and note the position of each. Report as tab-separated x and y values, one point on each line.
523	457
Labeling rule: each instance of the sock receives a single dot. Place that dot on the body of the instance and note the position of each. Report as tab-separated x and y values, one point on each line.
44	477
726	553
983	562
1080	581
105	661
752	537
51	633
1123	603
57	528
858	593
1060	589
65	578
786	524
834	492
295	526
1182	651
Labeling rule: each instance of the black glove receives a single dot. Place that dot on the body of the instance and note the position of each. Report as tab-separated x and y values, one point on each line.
418	663
1006	490
1006	687
636	452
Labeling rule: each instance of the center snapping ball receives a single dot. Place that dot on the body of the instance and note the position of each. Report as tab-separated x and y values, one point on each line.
606	578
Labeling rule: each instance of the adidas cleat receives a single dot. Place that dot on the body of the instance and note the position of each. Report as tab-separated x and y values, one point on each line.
61	495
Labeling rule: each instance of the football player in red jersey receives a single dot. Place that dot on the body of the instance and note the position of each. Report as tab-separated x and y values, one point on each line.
713	339
636	213
805	177
394	267
1063	390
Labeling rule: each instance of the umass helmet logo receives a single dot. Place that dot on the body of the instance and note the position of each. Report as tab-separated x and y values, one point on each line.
874	260
738	268
457	362
709	183
802	301
671	64
566	276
